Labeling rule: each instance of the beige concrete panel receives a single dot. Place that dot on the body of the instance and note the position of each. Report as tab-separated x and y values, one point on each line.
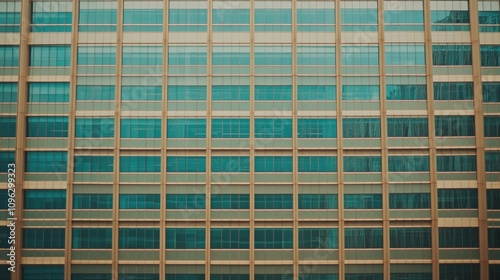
230	114
140	113
186	114
230	37
50	38
317	113
405	36
7	79
97	38
407	112
451	37
143	37
488	78
493	185
456	184
359	37
458	222
489	38
10	39
353	113
54	78
274	114
44	185
187	38
454	112
94	113
315	37
43	260
273	38
452	78
351	261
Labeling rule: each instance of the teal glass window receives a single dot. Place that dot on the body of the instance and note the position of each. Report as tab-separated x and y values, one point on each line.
406	92
230	201
320	92
43	272
317	55
229	238
186	128
44	199
185	238
141	276
404	54
187	55
491	126
186	164
139	201
318	238
93	164
493	238
92	201
457	199
6	158
360	92
186	201
94	128
317	128
403	16
317	164
220	93
316	20
46	161
451	55
454	125
407	127
10	18
187	20
95	92
359	55
410	237
273	20
273	238
98	16
230	55
92	238
449	16
493	198
490	55
53	16
169	276
140	128
409	201
359	16
489	19
51	56
271	276
273	201
492	159
47	126
4	196
318	201
132	164
48	92
363	238
146	19
227	277
273	55
363	201
411	275
362	164
9	56
453	91
456	163
273	128
462	271
230	128
142	55
458	237
229	164
139	238
177	93
43	238
273	164
273	93
97	55
8	91
494	271
361	127
230	20
319	276
7	126
408	163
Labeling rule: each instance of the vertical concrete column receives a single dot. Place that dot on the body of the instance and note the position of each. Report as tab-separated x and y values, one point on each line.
295	153
209	140
252	140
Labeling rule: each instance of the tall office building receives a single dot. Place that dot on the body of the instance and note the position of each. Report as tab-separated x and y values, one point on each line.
241	140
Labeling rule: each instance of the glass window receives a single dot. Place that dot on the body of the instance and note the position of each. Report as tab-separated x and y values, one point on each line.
317	128
140	128
51	16
318	201
176	93
43	272
361	128
451	55
408	163
230	201
10	17
97	55
462	271
187	20
139	201
360	55
145	17
273	128
455	126
458	163
186	164
273	164
220	93
48	92
360	92
457	199
410	237
9	56
7	126
273	20
273	55
48	126
456	237
273	238
43	238
51	56
409	201
140	164
229	238
359	16
316	92
45	199
229	164
139	238
490	55
493	198
492	159
273	93
93	201
97	16
489	19
187	55
230	128
317	164
318	238
411	275
226	277
311	18
230	20
362	238
186	128
492	126
404	54
494	270
273	201
449	15
94	128
316	55
95	92
8	91
46	161
403	16
362	201
93	164
453	91
185	238
169	276
493	238
407	127
406	92
92	238
5	159
362	164
142	55
230	55
186	201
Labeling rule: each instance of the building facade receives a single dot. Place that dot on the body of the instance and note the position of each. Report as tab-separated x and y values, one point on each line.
237	140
